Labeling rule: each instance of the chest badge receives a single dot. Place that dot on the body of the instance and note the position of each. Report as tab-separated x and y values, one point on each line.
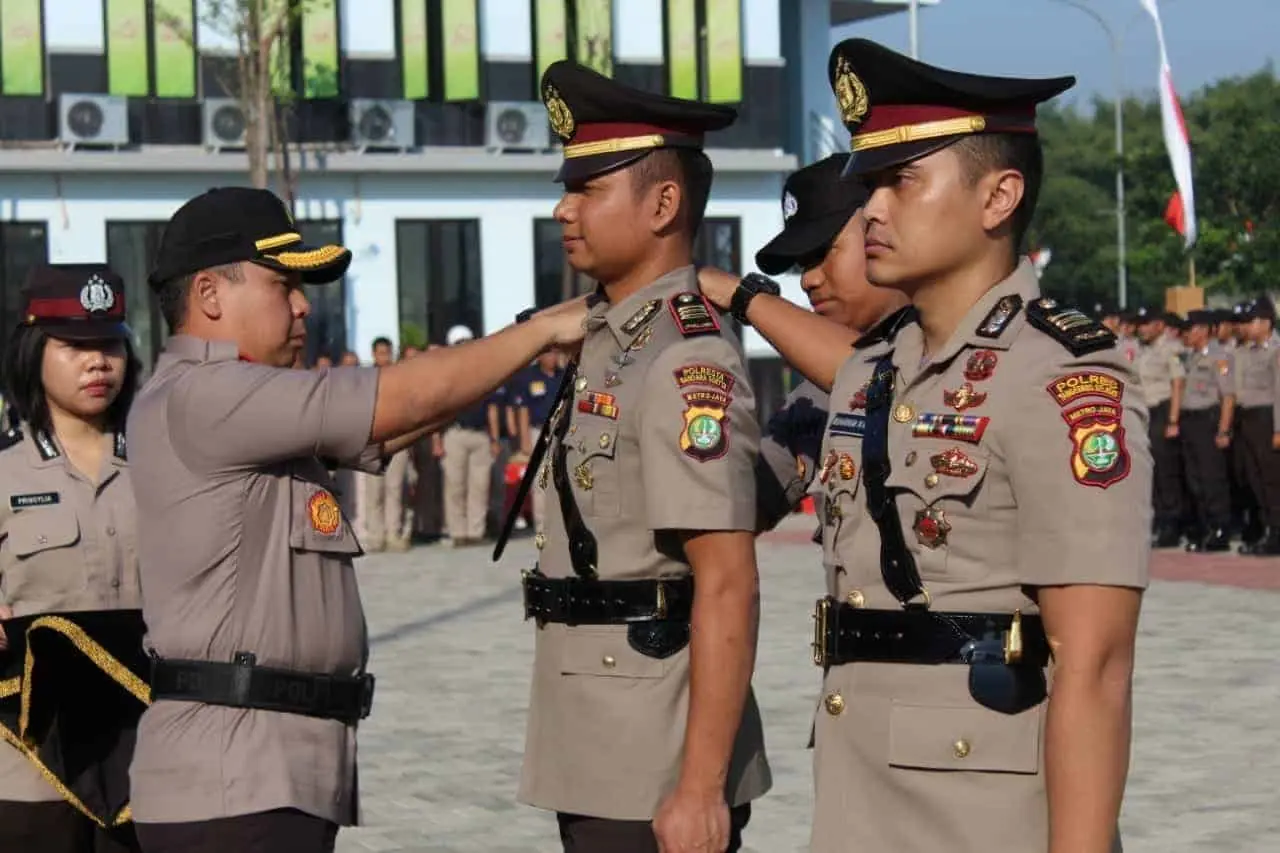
824	473
964	397
931	527
847	468
953	463
981	365
325	514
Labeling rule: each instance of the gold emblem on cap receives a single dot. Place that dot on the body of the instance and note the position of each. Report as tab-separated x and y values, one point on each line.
558	112
851	94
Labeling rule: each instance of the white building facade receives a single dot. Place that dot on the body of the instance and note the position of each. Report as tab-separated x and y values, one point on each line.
447	224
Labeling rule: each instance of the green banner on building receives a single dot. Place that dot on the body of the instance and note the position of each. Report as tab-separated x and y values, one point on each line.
682	48
593	34
175	48
414	50
128	61
320	49
460	33
724	51
21	47
280	58
551	44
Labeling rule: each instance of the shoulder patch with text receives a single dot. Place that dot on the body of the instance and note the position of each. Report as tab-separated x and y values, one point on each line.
704	374
1086	383
1099	456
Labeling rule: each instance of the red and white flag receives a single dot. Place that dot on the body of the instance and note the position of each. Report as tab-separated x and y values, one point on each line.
1040	259
1176	140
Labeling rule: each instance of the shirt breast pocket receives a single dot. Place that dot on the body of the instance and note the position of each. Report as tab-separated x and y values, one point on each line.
317	521
595	472
35	531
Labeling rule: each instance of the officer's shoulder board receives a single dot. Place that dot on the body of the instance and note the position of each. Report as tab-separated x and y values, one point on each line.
693	315
1080	334
887	328
10	437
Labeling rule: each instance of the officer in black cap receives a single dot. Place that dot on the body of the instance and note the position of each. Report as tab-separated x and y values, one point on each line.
821	238
1257	365
653	739
978	433
1208	412
1163	380
252	609
72	668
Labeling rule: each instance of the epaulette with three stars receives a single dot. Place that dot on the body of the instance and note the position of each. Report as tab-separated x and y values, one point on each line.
1080	334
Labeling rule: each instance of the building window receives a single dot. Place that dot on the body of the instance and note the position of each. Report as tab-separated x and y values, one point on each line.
438	272
549	263
704	54
580	30
131	248
23	245
719	244
327	322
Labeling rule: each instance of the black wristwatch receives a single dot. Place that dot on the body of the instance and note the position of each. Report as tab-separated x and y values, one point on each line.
751	284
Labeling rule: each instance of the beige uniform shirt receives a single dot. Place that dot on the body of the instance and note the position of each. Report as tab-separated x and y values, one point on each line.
1209	378
789	452
1257	372
1015	464
244	548
1158	364
662	438
65	544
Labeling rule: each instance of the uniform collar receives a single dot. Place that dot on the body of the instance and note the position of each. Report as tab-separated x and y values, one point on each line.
991	323
630	317
46	450
191	348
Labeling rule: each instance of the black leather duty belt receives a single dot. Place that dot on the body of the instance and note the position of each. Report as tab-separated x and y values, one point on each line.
589	601
243	684
846	634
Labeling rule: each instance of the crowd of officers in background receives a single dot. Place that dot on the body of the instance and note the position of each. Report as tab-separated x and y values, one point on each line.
452	485
1212	383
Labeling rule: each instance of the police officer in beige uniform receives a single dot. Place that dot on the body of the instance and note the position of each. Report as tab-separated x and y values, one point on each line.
1257	372
822	238
1163	380
1208	410
249	596
66	522
988	495
643	732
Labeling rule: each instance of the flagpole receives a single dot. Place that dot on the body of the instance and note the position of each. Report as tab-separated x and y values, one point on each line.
1191	265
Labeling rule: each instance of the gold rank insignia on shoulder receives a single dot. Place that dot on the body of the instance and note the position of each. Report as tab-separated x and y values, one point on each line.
644	315
693	315
851	93
999	317
1069	327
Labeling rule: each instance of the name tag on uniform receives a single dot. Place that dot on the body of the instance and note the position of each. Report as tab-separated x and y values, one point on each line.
37	499
844	423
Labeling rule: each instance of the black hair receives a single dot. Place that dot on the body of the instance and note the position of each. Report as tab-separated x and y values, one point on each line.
22	369
173	295
690	168
382	341
989	152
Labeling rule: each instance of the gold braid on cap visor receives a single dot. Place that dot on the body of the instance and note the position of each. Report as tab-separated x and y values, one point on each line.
312	259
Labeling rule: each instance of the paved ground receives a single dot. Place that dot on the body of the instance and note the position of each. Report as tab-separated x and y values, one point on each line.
441	753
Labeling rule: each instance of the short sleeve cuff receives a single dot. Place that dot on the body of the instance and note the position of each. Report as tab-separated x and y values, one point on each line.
350	397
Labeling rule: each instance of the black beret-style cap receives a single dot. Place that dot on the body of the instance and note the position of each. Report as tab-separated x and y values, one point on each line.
898	109
605	125
816	205
228	225
75	302
1264	308
1201	317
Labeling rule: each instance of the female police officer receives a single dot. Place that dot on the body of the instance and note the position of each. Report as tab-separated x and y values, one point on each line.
66	508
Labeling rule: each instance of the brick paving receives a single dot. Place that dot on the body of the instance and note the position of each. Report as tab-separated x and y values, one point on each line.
441	754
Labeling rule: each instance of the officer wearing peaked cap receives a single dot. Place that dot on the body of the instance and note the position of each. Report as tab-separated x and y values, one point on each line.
643	731
994	538
252	609
71	639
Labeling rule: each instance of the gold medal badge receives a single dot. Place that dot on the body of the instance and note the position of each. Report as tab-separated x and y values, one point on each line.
325	514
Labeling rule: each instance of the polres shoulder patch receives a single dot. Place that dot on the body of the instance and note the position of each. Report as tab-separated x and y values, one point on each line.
887	328
1078	333
694	315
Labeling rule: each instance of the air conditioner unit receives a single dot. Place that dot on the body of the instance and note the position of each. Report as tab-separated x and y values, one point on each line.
93	120
224	123
517	125
379	123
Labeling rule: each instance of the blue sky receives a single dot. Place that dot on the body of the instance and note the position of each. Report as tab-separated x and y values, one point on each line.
1207	40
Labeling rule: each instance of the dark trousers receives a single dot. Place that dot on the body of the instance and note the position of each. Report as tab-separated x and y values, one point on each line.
56	827
1244	508
1261	464
1206	469
1167	492
428	494
581	834
279	831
